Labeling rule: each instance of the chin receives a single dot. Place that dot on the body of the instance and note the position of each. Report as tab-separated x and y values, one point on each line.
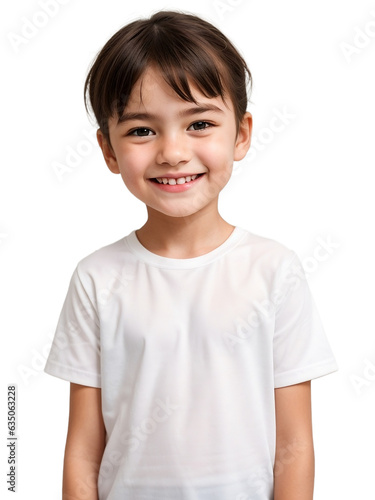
183	212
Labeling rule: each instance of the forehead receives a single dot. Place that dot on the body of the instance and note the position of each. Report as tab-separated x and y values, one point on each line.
152	86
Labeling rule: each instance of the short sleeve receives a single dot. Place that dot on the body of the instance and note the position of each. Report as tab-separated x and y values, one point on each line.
75	351
301	350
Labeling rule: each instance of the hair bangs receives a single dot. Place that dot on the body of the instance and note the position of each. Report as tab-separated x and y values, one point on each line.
186	58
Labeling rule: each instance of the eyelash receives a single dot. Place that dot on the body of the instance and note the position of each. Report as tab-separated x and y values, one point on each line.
207	125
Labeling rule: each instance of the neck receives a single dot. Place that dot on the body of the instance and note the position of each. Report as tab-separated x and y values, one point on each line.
184	237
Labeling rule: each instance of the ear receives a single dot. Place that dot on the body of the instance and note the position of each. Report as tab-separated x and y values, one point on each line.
243	140
108	153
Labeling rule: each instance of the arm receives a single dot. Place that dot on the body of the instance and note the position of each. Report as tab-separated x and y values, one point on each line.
294	464
84	444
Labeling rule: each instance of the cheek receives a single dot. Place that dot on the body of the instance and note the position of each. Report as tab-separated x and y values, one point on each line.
218	155
132	165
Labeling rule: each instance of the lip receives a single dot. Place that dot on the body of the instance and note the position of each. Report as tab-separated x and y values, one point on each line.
177	176
177	188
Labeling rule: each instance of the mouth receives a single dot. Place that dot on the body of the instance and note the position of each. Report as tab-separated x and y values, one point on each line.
178	180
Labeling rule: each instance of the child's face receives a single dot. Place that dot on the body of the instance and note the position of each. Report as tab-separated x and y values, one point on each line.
164	137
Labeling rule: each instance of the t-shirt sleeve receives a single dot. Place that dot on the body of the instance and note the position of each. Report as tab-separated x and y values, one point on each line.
75	350
301	350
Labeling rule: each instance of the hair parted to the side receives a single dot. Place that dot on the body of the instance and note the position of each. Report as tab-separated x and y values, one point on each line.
183	47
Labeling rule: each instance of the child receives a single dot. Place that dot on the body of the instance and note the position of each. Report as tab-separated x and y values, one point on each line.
190	343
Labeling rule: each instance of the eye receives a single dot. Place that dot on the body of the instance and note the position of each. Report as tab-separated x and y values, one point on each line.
140	132
200	125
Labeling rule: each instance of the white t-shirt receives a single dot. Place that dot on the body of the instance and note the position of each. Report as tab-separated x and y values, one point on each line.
187	353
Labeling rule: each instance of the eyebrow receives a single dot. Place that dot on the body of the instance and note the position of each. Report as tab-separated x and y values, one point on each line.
196	110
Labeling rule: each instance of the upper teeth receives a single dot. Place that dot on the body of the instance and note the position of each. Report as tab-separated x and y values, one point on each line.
180	180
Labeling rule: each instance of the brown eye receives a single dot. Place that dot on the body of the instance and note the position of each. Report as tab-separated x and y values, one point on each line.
140	132
200	125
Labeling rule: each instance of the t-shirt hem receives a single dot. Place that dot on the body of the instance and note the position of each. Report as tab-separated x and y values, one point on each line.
304	374
72	374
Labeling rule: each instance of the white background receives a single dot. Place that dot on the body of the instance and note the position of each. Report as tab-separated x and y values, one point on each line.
310	182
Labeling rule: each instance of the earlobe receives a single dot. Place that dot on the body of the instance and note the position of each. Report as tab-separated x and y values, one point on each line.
108	153
244	137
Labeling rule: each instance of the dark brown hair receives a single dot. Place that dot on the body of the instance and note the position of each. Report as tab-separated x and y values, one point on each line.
183	46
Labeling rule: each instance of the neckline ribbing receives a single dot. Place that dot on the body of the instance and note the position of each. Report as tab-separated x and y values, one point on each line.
168	263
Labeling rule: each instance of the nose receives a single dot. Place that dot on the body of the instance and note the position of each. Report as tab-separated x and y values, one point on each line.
173	149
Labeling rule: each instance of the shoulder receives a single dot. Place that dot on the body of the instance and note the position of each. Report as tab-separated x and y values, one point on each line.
265	250
104	262
103	253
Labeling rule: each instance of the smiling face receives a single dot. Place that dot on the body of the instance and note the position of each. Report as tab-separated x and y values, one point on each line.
175	156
